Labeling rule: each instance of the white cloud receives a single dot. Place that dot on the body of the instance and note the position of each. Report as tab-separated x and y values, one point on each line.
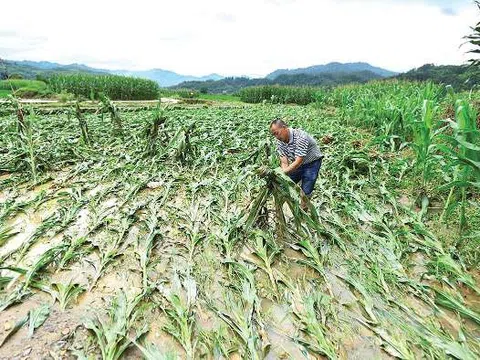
236	37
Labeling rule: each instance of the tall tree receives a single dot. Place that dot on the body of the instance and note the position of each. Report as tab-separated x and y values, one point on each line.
474	39
3	70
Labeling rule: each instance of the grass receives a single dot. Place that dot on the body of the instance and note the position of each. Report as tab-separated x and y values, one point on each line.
22	83
4	93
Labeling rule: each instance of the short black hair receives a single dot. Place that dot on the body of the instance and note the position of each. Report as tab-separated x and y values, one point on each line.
278	122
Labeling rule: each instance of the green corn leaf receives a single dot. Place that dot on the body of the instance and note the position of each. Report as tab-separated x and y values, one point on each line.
37	317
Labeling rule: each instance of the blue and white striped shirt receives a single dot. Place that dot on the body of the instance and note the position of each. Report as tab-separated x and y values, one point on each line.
300	144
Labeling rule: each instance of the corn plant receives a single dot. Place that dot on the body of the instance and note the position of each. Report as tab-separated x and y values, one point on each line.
146	244
456	304
283	190
192	221
66	293
444	264
266	250
109	107
180	313
465	153
394	344
429	336
17	326
6	232
113	336
30	276
241	316
37	317
113	251
424	140
152	131
151	352
21	122
82	123
308	310
180	146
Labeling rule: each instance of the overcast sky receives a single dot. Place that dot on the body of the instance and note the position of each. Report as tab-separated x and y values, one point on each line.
252	37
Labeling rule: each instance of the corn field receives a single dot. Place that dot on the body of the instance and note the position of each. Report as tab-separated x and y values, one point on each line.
170	233
278	94
116	87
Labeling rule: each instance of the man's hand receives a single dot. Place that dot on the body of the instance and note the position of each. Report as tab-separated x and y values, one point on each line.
293	166
283	162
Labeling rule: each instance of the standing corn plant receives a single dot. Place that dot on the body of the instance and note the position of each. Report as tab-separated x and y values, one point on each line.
423	140
465	156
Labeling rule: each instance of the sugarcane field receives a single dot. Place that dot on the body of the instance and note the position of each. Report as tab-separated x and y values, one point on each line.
295	216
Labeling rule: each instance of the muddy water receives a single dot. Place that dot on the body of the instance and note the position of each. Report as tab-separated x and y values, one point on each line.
280	328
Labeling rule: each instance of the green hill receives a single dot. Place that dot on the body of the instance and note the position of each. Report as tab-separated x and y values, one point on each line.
232	85
460	77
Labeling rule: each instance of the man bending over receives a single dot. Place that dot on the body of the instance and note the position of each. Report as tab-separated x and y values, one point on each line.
300	157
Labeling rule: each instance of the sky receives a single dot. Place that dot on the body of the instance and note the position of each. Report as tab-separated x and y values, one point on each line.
245	37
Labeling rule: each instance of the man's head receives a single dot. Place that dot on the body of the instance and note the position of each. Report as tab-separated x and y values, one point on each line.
279	129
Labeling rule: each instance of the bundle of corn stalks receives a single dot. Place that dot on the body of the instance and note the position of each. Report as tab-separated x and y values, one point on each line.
181	144
83	124
151	132
12	103
111	108
283	190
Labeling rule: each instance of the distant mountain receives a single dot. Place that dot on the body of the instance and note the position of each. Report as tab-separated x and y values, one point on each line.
166	78
333	67
32	69
234	84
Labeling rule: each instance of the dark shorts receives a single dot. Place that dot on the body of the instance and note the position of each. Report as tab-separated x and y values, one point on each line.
307	174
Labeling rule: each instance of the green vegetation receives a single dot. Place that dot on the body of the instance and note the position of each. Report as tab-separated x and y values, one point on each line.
183	93
21	83
232	85
459	77
67	87
24	88
278	95
474	39
171	232
220	97
114	86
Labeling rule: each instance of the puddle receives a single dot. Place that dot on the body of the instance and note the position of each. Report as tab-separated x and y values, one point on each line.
363	347
280	326
340	290
418	267
25	225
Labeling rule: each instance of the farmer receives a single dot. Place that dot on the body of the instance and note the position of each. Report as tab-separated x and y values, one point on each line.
300	157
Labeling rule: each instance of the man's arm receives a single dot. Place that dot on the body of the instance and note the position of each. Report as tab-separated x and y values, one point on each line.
283	162
293	166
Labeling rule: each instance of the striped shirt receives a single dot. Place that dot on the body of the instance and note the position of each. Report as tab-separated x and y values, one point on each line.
300	144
